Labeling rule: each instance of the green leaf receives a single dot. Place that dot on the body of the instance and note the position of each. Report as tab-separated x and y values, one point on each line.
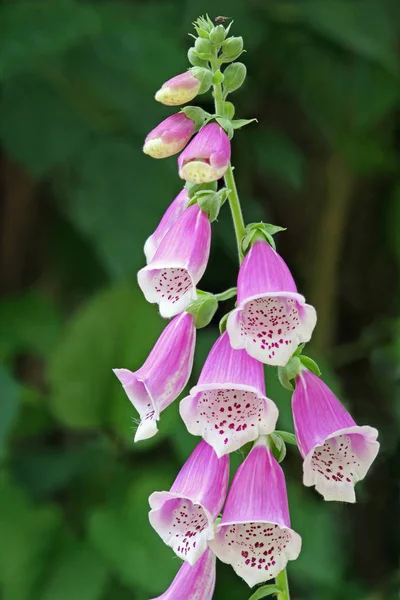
31	31
79	572
264	591
239	123
104	334
30	323
10	399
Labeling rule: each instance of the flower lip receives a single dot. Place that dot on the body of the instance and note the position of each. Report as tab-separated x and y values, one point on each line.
189	543
252	557
340	487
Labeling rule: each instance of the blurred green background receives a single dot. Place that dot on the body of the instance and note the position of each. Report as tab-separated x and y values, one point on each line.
77	201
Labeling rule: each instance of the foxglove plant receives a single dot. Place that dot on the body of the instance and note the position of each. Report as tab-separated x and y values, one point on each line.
228	406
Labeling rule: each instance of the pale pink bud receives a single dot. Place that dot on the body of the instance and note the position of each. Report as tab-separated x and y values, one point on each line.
207	156
179	90
169	137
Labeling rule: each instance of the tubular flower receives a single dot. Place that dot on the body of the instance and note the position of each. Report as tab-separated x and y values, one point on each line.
207	156
179	90
170	217
228	406
337	453
254	535
169	137
195	582
180	260
271	318
163	376
184	517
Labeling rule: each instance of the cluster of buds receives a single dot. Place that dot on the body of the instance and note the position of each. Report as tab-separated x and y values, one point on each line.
248	526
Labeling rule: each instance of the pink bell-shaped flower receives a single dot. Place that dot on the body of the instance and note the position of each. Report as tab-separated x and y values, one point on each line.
272	318
178	264
169	218
169	137
207	156
184	517
254	535
179	90
163	375
228	406
337	453
196	582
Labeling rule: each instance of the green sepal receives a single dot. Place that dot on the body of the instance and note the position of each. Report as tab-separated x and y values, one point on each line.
197	114
289	372
239	123
203	309
202	33
260	231
288	438
264	591
194	188
229	111
217	35
310	364
226	295
278	446
226	125
205	77
218	77
195	60
234	74
210	202
203	23
222	323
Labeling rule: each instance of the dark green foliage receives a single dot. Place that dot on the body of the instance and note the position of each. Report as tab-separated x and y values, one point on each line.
77	201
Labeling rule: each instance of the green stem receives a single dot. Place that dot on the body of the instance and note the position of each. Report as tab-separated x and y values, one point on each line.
233	196
282	582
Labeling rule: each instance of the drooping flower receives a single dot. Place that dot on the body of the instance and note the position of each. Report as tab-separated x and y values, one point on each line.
207	156
170	217
195	582
272	318
180	260
184	517
169	137
254	535
337	453
228	406
163	375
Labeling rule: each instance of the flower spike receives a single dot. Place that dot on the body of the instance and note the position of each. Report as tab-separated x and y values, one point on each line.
184	517
337	453
163	375
178	264
228	406
272	318
254	535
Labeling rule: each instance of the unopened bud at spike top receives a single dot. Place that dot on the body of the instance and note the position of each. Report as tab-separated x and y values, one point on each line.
169	137
207	157
184	87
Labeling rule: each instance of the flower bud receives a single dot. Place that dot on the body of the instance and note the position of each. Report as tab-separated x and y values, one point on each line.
169	137
234	74
207	157
180	89
217	34
195	60
204	46
232	47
